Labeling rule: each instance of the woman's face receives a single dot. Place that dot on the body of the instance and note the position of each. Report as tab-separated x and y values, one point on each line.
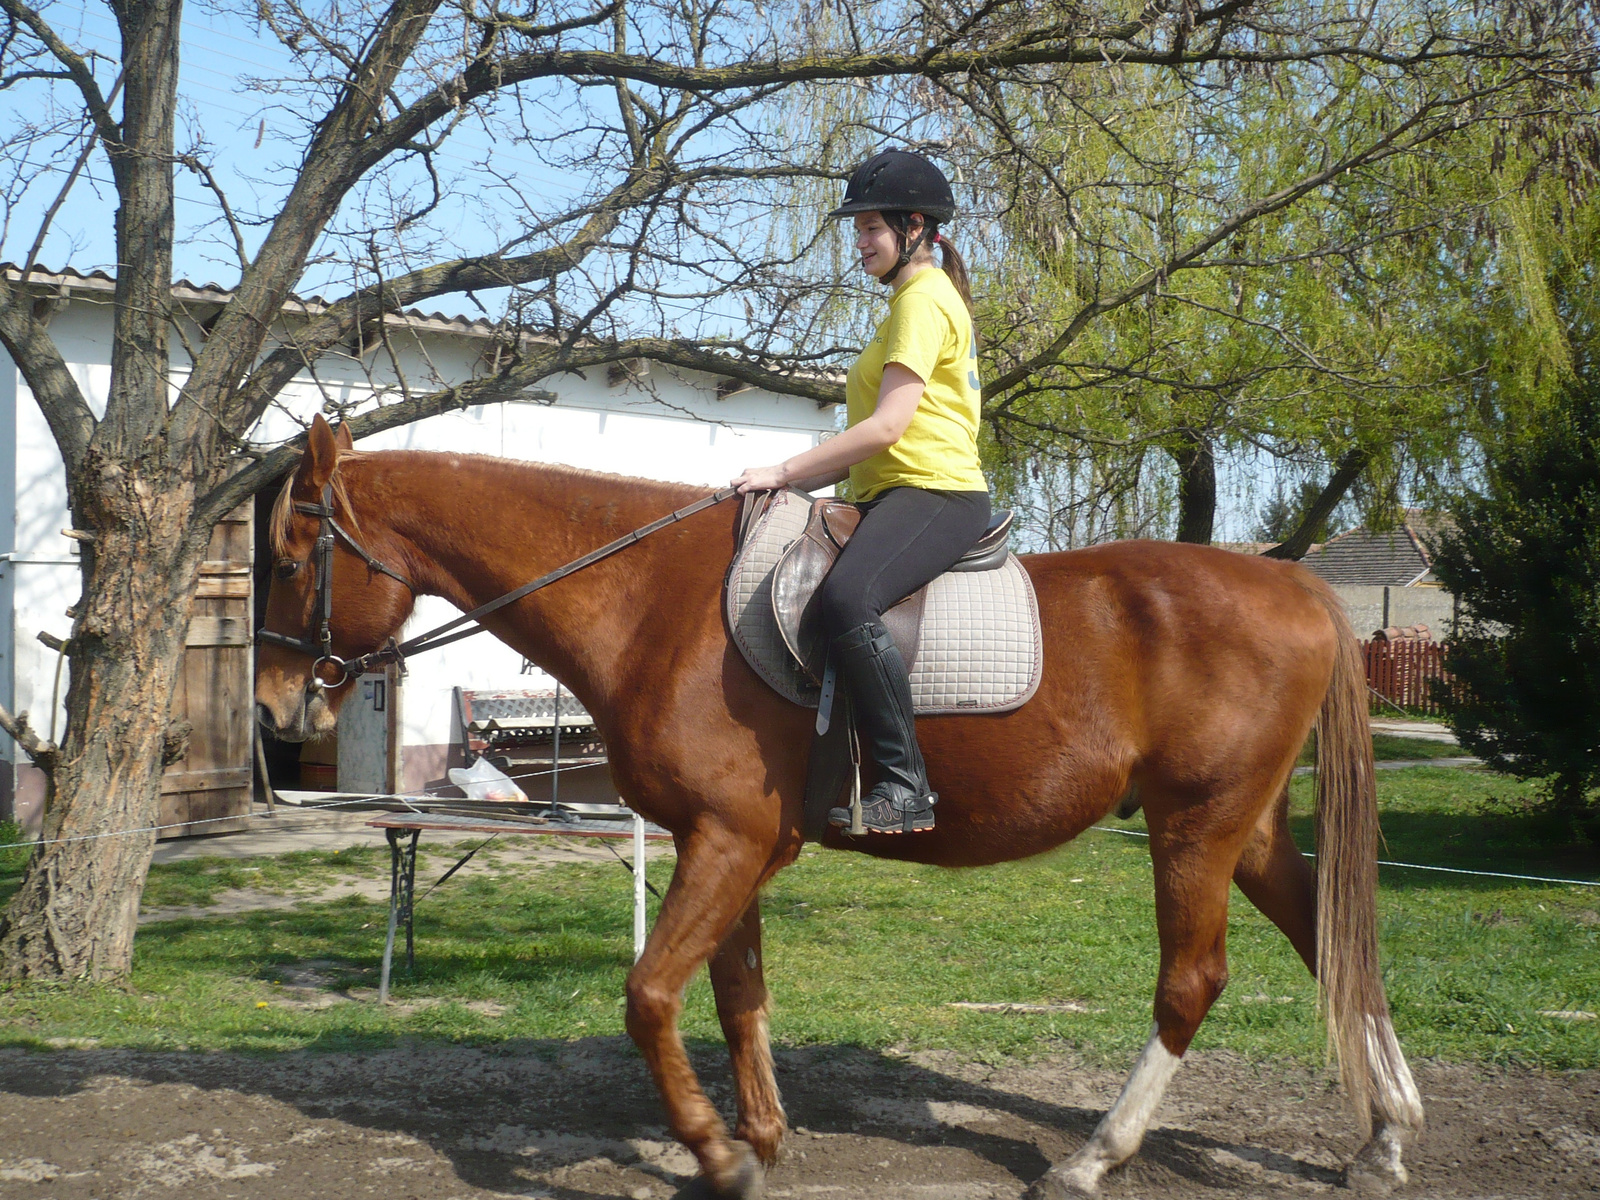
877	243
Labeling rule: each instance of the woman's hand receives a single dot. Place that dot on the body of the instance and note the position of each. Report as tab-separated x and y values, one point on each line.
761	479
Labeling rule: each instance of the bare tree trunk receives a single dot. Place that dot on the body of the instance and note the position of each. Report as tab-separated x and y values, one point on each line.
133	493
1197	489
1345	474
77	910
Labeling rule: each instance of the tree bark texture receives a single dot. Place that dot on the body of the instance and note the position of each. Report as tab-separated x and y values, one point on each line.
1197	489
142	162
77	909
133	491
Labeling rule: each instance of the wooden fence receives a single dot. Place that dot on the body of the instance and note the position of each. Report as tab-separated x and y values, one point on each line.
1402	672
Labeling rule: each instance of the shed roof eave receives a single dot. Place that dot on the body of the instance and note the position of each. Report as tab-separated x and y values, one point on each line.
68	282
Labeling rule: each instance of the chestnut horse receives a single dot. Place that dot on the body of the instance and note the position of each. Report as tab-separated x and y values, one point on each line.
1179	678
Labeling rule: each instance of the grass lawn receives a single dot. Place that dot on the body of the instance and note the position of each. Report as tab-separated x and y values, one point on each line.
1392	747
872	953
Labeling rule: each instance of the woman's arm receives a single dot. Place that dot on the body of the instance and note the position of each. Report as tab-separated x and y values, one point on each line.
830	461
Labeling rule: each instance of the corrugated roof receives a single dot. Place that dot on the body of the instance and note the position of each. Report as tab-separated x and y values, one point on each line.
187	291
1390	558
69	281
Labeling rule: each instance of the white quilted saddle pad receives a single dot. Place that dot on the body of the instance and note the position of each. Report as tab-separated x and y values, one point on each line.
981	649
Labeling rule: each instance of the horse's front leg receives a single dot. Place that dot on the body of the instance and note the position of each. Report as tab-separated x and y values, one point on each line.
715	882
741	991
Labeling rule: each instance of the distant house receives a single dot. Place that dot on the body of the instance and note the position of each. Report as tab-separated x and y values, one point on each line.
1386	578
1392	558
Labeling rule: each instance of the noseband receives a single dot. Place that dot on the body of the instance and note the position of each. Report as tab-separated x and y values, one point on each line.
322	649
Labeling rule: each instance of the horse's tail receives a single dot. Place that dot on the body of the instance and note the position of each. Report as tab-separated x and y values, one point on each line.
1360	1032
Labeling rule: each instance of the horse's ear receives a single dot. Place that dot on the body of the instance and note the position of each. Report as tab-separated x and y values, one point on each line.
342	435
321	456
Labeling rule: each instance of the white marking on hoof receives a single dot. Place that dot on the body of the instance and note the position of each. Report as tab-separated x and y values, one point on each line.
1120	1131
1075	1179
1376	1169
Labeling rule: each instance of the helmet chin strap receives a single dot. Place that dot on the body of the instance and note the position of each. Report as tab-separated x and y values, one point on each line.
906	251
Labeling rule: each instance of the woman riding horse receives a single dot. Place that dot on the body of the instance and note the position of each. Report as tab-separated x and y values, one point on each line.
911	455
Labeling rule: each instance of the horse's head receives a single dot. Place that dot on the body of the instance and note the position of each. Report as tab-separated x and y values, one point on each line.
325	605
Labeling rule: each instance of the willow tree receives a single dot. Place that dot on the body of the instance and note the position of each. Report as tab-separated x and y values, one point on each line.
653	111
1182	264
1318	332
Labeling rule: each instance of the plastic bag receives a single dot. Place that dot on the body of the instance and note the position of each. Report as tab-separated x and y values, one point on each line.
485	781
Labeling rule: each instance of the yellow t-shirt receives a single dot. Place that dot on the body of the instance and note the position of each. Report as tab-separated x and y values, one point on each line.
928	330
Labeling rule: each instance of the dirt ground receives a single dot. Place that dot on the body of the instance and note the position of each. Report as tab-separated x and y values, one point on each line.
570	1120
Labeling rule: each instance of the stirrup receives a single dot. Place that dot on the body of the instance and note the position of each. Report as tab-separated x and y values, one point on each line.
888	809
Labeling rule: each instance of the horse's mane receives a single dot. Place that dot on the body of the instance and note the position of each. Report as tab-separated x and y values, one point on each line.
283	506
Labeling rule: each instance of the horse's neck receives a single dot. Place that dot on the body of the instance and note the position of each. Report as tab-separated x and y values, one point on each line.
478	528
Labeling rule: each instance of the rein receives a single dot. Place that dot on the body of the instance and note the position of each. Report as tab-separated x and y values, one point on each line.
322	649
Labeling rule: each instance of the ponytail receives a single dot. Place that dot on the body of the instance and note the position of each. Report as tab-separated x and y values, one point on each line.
952	264
955	267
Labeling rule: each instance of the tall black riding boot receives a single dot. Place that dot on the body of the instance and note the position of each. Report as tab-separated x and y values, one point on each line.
870	664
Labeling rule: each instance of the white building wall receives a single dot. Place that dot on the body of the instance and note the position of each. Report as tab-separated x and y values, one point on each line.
670	425
38	566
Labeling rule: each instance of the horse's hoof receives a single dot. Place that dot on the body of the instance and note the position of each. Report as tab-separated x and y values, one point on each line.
745	1179
766	1140
1061	1183
1377	1169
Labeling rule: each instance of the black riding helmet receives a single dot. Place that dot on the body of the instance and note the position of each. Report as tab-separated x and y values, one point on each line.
898	183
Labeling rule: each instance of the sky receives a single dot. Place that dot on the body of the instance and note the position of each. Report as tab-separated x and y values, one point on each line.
254	142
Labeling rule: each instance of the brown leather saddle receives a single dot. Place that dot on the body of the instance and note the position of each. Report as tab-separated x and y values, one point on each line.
797	573
806	563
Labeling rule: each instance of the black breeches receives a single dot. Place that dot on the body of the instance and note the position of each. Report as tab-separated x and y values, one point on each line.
907	537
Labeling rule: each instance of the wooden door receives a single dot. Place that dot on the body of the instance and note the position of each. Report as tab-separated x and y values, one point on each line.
216	693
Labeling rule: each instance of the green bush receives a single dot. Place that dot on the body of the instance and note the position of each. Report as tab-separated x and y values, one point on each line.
1524	558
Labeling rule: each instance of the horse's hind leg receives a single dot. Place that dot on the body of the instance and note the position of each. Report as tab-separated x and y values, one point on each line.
741	992
1192	868
1276	878
715	881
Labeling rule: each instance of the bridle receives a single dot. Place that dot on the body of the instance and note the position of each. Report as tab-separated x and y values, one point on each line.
322	649
331	531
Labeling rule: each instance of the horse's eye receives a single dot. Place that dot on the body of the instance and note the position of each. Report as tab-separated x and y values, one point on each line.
285	568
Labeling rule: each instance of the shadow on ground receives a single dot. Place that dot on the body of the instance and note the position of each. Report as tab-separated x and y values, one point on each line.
580	1119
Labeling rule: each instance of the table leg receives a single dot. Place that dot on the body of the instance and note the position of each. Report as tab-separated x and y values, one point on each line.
408	886
393	836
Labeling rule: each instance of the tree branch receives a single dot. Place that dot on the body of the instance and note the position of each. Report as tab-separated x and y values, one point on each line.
333	163
66	188
28	341
78	68
1392	143
705	357
1345	474
42	751
243	484
344	317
